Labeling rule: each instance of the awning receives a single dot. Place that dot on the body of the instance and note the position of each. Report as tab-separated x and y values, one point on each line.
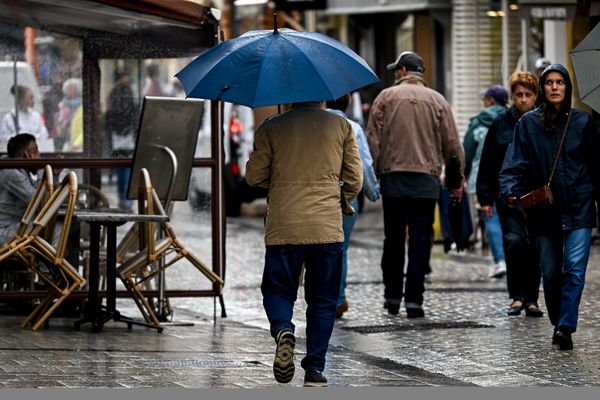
171	27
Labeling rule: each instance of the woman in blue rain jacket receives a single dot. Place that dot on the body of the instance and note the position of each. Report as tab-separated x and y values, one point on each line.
563	230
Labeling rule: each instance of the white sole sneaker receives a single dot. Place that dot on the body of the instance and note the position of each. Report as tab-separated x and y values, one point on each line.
283	366
498	271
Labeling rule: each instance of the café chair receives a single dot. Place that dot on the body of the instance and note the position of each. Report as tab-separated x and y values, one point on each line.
59	276
155	255
15	272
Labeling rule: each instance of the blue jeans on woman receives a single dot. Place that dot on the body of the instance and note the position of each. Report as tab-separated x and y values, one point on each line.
493	230
563	259
280	281
347	226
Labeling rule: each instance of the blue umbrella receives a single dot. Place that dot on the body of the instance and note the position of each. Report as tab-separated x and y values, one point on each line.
282	66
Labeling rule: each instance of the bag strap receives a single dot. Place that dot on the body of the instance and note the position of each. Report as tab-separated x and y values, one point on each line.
562	139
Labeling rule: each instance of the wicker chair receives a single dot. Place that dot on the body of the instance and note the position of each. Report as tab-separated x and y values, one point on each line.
33	245
139	269
14	273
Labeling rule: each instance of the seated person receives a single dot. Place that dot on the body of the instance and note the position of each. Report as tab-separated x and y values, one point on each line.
17	186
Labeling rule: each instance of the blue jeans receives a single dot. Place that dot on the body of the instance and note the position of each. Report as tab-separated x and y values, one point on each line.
348	226
398	214
493	229
123	175
564	259
323	267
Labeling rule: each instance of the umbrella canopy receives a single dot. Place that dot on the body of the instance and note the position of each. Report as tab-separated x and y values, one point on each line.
586	63
282	66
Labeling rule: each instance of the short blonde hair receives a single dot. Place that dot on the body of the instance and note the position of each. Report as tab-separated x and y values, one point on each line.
74	84
526	79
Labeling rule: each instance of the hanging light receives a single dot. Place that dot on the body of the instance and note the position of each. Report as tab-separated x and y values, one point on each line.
495	9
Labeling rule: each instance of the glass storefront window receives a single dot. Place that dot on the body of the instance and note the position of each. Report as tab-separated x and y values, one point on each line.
41	88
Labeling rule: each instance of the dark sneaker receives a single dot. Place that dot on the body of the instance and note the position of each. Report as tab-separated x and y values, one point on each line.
314	378
532	310
283	366
414	312
562	339
393	309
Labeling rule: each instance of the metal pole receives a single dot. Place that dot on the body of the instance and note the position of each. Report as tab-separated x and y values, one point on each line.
16	94
505	43
524	44
233	22
218	206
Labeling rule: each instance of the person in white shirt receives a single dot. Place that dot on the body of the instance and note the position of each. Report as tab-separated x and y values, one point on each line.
17	185
27	120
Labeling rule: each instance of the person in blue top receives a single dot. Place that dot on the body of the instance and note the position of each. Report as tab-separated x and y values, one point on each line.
370	188
563	230
494	101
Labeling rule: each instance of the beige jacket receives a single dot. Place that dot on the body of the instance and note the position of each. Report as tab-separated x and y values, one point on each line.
411	129
301	156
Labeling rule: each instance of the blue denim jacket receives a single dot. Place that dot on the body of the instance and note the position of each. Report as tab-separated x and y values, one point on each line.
370	183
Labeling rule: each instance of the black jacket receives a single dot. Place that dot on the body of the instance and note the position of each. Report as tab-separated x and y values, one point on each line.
529	160
499	136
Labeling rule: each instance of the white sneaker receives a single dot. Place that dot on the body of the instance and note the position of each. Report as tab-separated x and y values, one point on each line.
499	270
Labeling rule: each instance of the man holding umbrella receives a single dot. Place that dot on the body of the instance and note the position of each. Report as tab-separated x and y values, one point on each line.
308	159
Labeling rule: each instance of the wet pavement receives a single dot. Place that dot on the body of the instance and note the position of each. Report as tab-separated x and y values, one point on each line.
466	339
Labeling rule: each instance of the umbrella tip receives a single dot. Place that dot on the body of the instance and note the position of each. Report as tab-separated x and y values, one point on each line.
274	22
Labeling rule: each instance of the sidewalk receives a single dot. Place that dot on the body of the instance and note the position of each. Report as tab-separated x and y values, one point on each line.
465	340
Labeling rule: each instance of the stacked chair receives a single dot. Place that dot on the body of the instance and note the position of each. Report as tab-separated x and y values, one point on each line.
14	267
33	244
155	255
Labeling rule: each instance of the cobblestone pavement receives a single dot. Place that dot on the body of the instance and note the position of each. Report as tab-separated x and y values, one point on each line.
466	338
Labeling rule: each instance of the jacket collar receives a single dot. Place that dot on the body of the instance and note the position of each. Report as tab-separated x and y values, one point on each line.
412	79
308	104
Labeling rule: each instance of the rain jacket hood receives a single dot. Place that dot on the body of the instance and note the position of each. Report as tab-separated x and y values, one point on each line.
566	105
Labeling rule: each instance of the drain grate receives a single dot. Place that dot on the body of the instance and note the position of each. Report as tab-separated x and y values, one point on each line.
416	327
197	363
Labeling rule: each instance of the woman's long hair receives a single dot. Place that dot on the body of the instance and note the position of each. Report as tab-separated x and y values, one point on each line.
549	116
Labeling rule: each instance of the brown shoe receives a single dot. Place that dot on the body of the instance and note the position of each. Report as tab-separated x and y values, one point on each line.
516	307
341	309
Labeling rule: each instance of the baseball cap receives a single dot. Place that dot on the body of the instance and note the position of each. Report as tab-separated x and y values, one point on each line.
496	92
409	60
542	62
